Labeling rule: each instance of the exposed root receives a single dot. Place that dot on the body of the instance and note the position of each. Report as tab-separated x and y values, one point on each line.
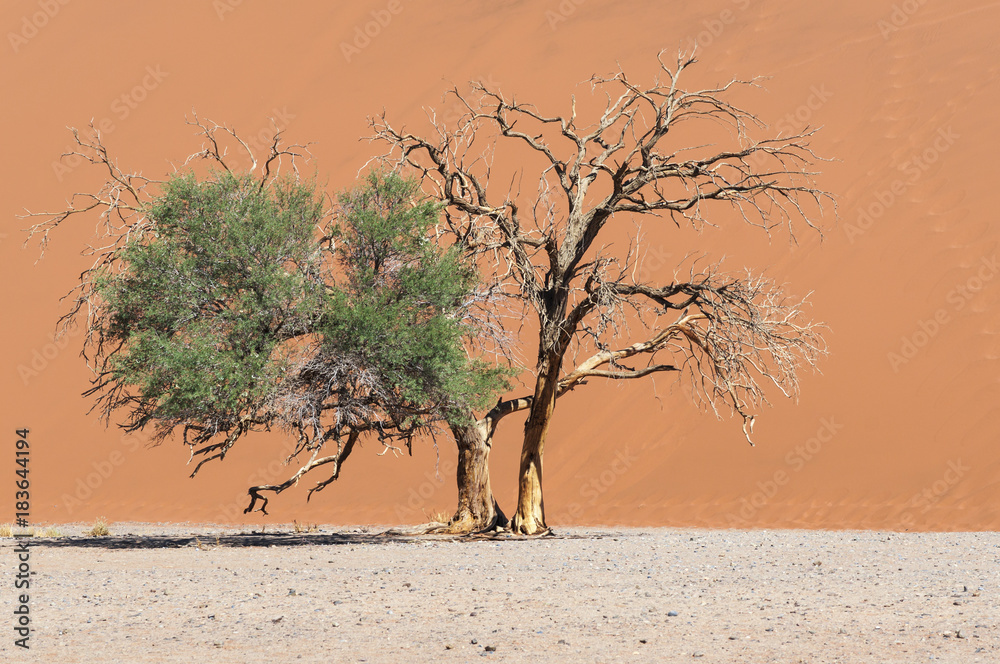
462	524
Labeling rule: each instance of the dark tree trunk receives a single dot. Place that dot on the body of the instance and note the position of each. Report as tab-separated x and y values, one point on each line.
477	509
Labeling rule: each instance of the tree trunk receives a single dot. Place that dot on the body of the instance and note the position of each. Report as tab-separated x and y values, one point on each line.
477	509
530	516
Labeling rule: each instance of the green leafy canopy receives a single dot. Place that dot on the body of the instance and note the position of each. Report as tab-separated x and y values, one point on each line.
241	289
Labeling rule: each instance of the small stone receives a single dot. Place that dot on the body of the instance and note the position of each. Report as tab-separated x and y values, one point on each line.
336	624
473	641
672	614
448	646
697	654
948	634
490	648
959	634
277	620
563	642
642	640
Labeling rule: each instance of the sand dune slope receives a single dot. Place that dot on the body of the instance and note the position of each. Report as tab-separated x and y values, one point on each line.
900	429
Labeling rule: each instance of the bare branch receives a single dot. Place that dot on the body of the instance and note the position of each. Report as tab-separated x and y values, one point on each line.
343	451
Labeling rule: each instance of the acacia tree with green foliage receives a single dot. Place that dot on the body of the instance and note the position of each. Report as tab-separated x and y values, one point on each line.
228	303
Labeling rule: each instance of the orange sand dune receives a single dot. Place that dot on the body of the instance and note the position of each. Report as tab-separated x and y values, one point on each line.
900	429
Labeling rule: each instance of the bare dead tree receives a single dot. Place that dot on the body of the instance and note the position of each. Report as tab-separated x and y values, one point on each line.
732	335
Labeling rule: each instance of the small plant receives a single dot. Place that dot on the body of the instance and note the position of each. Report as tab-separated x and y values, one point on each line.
51	531
100	528
8	530
304	528
441	516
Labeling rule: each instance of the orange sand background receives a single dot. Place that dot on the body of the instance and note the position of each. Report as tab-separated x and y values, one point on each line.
870	445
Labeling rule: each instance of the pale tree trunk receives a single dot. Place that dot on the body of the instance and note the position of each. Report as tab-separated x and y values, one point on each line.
477	509
529	519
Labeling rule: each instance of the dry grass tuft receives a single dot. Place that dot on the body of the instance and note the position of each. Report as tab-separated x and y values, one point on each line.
304	528
441	516
99	529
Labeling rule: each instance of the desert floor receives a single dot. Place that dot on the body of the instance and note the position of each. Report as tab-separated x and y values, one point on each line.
155	593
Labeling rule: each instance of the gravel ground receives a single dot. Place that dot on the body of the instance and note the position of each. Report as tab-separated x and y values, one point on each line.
158	593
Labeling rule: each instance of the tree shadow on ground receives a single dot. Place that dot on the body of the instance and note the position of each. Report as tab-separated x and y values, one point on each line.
209	540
